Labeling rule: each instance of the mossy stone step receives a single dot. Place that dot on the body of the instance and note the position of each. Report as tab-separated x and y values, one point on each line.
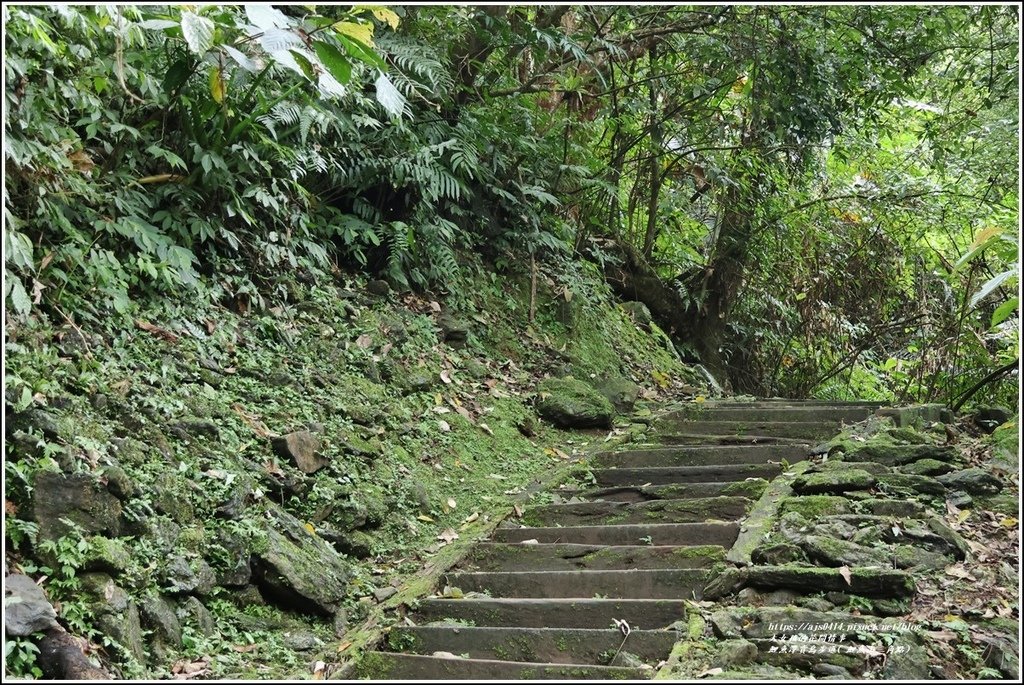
394	666
683	436
661	475
497	556
741	412
700	456
547	645
648	614
811	430
630	534
748	487
691	510
620	584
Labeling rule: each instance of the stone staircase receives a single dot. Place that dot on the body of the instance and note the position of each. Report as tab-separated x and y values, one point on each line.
546	600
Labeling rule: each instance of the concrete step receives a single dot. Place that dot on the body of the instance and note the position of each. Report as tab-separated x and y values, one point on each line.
393	666
661	475
662	511
538	645
650	614
498	556
750	488
807	430
700	456
723	534
742	412
624	584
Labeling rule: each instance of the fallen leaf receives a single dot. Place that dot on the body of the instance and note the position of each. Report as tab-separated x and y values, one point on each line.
245	649
424	517
156	330
344	645
444	426
517	510
486	429
446	378
844	571
448	535
472	517
309	527
364	341
318	670
710	671
451	502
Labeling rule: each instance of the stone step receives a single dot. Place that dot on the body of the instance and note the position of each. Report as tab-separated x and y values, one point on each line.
723	534
545	645
624	584
784	402
661	511
498	556
394	666
661	475
650	614
750	488
700	456
742	412
807	430
682	436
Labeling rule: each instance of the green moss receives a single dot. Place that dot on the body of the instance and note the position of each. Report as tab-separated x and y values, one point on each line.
715	552
815	506
751	488
373	666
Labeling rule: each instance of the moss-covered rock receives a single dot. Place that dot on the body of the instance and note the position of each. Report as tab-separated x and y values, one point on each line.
777	554
926	467
816	506
621	392
835	552
891	454
79	498
833	481
973	481
571	403
905	484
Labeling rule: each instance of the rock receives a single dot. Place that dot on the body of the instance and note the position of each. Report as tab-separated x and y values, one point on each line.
475	369
621	392
106	554
302	642
191	428
831	671
454	330
777	555
816	506
961	500
897	455
1003	504
78	497
298	569
186	576
417	382
160	619
379	288
833	481
869	582
896	484
195	614
236	571
118	482
301	447
990	418
114	613
974	481
748	596
1001	653
355	543
639	312
726	624
872	467
384	593
890	607
360	447
571	403
735	653
26	609
815	603
835	552
926	467
781	598
912	665
891	507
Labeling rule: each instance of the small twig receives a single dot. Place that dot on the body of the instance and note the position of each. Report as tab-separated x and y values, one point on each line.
623	626
119	61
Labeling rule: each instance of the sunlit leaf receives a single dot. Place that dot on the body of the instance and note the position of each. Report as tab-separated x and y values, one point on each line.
333	61
198	32
389	97
1003	311
217	87
360	32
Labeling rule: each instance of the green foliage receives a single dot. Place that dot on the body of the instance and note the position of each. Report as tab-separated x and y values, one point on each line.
20	658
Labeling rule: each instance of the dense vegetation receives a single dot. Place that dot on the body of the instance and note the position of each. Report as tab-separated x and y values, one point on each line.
813	201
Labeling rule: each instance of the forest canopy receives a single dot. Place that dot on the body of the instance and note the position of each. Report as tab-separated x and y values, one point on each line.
812	200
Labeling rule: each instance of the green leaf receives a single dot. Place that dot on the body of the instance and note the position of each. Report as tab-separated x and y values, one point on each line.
991	284
362	53
389	97
19	298
176	75
334	61
1003	311
304	64
198	32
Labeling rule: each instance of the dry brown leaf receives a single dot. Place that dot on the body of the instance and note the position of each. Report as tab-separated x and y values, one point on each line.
844	571
156	330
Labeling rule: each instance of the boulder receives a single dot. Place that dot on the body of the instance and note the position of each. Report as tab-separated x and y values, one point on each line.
621	392
815	506
926	467
360	446
186	576
26	609
195	614
639	312
454	331
778	554
897	455
78	497
835	552
895	484
571	403
833	481
378	288
158	616
973	481
298	569
114	613
302	448
990	418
